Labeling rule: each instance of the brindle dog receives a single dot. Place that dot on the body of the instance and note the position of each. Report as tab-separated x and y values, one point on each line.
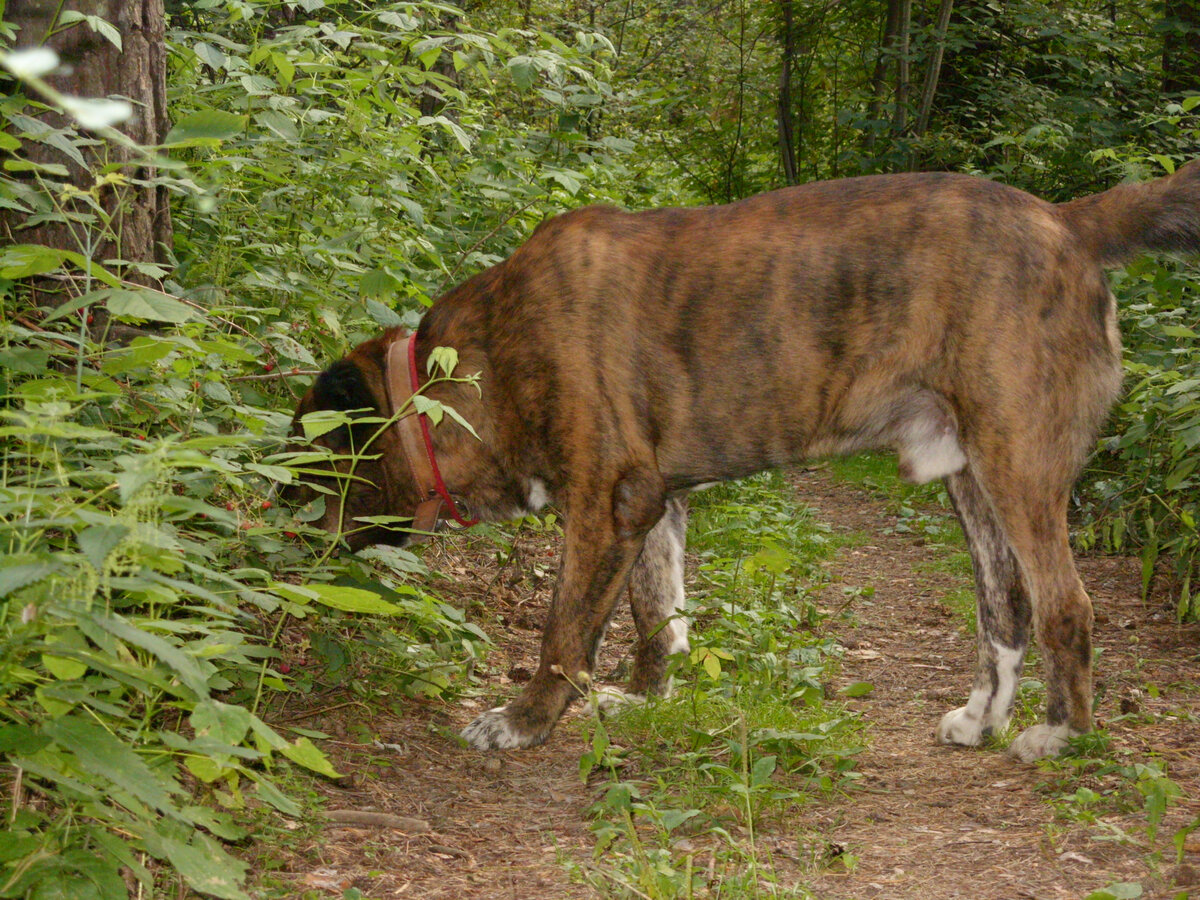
627	358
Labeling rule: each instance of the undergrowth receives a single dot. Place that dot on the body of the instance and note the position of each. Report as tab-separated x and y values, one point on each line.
690	780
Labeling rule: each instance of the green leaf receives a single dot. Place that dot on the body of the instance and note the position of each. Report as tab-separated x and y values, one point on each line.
142	305
378	283
65	668
25	260
99	753
208	125
858	689
270	794
187	668
205	866
221	721
383	315
22	741
1179	331
26	360
524	72
347	599
1121	890
98	541
21	570
762	770
283	68
444	358
304	752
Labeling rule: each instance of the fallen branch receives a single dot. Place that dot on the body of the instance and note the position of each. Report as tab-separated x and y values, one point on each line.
376	820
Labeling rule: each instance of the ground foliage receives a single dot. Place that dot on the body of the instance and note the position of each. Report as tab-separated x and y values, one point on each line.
333	167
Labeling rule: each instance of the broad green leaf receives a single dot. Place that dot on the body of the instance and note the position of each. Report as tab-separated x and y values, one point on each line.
347	599
98	541
224	722
378	283
431	408
209	55
24	260
283	68
384	316
207	125
26	360
20	740
268	793
142	305
21	570
305	753
65	668
99	753
204	864
762	770
321	421
524	72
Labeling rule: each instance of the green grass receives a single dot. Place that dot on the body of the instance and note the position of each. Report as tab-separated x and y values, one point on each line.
690	780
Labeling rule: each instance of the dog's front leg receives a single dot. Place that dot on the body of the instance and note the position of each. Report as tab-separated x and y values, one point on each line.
604	534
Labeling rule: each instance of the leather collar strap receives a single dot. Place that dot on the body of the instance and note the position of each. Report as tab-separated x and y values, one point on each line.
412	429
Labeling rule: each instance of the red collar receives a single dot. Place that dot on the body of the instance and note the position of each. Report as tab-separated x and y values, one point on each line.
415	440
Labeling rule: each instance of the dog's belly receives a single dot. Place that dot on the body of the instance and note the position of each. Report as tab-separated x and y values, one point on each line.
917	423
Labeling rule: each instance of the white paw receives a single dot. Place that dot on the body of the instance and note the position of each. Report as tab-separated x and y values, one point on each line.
610	699
960	726
494	730
1040	741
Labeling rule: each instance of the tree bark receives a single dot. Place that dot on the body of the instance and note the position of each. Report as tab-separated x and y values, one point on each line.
903	32
887	45
787	140
934	68
1181	46
92	66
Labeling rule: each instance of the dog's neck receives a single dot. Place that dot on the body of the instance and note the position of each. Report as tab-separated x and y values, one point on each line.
469	465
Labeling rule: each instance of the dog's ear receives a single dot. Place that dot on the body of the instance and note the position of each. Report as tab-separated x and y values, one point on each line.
343	387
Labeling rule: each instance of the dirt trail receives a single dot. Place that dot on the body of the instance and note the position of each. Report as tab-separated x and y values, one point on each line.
945	824
928	822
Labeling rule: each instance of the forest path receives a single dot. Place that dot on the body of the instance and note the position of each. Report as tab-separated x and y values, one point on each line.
927	822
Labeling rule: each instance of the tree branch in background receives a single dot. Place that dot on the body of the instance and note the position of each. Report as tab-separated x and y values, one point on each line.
934	68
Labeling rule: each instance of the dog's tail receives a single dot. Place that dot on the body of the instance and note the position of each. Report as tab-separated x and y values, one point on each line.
1160	215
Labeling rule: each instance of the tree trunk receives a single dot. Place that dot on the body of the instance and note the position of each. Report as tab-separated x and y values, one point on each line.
92	66
787	141
934	68
887	46
1181	46
903	31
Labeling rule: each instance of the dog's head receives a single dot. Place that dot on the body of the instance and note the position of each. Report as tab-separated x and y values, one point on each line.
351	465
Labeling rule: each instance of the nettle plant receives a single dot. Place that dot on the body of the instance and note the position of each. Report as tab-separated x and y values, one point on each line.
144	579
331	167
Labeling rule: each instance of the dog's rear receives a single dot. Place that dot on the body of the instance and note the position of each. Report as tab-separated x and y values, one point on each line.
1011	497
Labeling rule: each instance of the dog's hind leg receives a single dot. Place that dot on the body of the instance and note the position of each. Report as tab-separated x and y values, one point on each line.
656	595
1035	521
1028	483
1002	618
656	598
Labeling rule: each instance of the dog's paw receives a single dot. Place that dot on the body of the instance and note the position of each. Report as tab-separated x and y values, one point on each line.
962	727
610	699
496	730
1040	741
